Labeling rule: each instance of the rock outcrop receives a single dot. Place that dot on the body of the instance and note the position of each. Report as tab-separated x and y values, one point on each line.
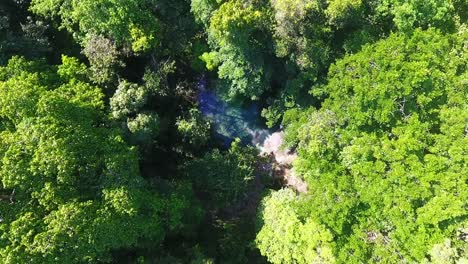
282	159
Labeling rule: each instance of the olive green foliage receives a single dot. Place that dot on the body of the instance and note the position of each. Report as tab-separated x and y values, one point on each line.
223	177
156	80
144	127
282	47
233	243
340	12
77	190
103	57
202	10
194	130
385	156
128	99
130	23
129	104
127	107
301	36
444	252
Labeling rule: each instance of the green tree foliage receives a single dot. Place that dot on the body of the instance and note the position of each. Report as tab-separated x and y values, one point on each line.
156	78
283	47
77	191
408	15
300	33
223	178
129	98
312	34
202	10
233	241
289	237
194	130
341	11
115	162
130	23
385	157
127	107
129	104
236	35
144	127
178	33
445	252
301	39
103	57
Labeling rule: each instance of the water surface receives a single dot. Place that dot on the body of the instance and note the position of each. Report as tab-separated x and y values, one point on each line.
231	120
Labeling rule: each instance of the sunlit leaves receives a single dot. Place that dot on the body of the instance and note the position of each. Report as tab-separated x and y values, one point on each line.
129	23
385	156
236	34
286	237
78	193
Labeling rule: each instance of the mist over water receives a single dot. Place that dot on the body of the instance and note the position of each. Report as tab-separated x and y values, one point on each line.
232	120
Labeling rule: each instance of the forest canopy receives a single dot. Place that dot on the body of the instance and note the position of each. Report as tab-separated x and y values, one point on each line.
233	131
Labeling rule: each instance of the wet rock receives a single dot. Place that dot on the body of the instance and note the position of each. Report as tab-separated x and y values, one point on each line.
282	160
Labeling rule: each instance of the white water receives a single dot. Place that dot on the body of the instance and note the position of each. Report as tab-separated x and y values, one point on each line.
236	121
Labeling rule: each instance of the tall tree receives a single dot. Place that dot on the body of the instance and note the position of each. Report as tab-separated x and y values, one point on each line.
238	35
385	157
76	191
130	23
287	236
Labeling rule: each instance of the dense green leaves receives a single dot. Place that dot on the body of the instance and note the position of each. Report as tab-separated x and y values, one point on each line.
286	237
78	194
235	33
107	155
19	35
128	23
103	56
408	15
224	177
194	129
385	156
202	10
129	104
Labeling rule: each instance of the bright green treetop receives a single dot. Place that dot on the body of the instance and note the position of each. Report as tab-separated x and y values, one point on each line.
385	158
128	22
78	194
289	237
235	34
